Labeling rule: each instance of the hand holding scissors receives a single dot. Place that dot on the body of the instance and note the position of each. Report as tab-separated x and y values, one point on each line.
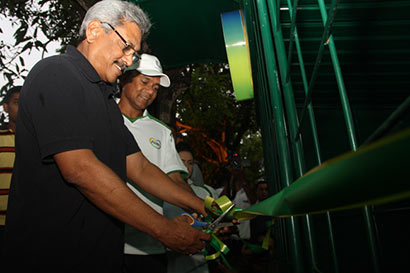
209	227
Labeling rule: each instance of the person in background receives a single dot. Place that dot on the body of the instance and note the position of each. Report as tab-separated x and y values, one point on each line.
196	263
139	85
7	153
197	177
68	198
262	192
256	259
237	190
260	224
187	156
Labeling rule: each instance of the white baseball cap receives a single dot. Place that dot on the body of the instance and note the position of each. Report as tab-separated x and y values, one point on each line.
149	65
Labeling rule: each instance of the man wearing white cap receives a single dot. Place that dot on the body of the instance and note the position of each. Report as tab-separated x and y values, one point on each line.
139	86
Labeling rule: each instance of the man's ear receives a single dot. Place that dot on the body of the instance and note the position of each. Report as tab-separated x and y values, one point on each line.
5	107
93	30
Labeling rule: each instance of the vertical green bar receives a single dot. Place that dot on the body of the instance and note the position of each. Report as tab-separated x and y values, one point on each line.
370	225
340	83
283	148
287	87
261	101
293	13
312	122
293	122
264	115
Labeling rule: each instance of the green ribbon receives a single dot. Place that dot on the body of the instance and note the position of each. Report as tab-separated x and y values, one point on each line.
374	174
217	207
258	249
266	239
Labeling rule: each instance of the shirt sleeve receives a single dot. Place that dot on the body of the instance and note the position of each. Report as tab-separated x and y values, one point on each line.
130	142
172	159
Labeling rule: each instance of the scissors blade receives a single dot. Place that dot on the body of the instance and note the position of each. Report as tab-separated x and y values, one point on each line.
215	223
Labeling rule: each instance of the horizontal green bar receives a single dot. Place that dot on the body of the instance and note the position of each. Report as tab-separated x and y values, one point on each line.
374	174
370	5
316	23
356	38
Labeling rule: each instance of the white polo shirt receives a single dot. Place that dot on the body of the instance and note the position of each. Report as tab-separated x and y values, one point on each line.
157	144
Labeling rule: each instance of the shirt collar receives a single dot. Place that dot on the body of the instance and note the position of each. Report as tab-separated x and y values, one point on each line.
144	114
83	64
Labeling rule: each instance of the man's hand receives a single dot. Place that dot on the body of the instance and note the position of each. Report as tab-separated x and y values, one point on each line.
183	238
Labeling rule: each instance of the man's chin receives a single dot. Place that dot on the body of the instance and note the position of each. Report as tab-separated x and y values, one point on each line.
114	76
111	79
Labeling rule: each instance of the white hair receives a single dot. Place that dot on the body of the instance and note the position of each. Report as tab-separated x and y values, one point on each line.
116	12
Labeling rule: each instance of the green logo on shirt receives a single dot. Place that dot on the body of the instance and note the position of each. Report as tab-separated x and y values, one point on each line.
156	143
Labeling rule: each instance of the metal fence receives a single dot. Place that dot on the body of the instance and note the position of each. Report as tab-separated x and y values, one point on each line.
285	88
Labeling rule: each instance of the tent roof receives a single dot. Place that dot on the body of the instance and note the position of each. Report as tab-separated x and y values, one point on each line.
372	39
186	31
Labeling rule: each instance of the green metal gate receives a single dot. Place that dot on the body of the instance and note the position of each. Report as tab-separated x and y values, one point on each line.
307	90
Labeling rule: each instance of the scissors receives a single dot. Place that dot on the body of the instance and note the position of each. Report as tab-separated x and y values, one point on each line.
209	226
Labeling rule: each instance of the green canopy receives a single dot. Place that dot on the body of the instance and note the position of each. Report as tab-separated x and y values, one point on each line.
186	31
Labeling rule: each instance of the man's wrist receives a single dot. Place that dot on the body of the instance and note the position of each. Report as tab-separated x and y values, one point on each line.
160	230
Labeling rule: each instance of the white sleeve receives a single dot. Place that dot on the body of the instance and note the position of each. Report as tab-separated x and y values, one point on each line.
173	162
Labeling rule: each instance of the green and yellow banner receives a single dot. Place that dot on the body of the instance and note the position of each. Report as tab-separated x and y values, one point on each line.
237	49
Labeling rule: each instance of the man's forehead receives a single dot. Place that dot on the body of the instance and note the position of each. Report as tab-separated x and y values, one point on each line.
132	33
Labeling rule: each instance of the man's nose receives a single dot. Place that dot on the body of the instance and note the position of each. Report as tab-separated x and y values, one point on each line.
128	59
151	90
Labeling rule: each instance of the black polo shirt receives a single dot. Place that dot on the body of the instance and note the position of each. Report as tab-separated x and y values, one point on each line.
64	105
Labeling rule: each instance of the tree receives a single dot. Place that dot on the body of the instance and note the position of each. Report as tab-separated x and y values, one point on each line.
214	122
59	20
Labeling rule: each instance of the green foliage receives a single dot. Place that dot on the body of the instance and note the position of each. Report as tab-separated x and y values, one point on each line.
59	20
252	149
210	108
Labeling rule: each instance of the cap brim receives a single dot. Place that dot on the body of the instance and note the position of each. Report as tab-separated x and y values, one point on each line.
164	81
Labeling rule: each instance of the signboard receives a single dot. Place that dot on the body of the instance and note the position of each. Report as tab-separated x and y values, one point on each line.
237	49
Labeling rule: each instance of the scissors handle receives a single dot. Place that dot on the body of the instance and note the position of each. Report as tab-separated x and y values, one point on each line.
194	222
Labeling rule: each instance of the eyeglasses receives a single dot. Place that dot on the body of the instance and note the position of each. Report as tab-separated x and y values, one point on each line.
127	49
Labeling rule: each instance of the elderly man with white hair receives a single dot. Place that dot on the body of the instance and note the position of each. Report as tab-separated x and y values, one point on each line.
68	198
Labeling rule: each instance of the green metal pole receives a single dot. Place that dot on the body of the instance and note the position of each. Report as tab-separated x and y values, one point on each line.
292	119
265	117
273	83
293	13
314	133
340	83
370	225
283	149
287	87
324	41
262	98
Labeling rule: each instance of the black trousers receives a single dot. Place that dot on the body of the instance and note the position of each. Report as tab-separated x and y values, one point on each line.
145	263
